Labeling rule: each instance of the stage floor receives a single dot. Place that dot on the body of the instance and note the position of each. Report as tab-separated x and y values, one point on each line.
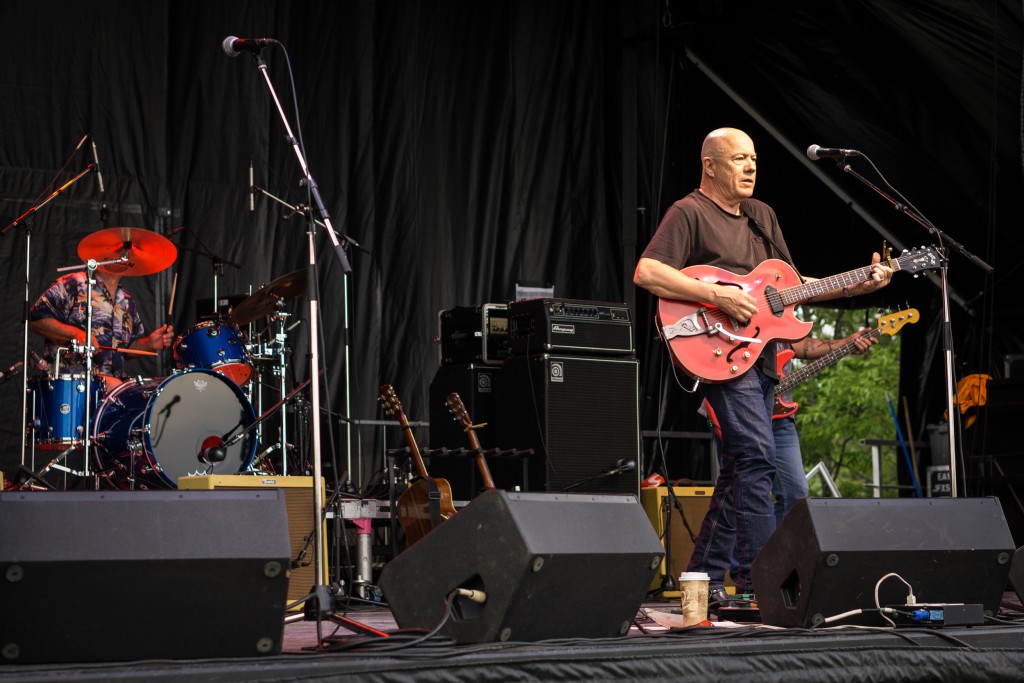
993	652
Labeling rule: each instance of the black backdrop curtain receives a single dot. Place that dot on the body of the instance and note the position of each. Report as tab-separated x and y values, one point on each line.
465	146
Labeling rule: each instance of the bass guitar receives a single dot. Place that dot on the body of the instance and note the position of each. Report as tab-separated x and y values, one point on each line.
889	324
428	500
461	415
710	346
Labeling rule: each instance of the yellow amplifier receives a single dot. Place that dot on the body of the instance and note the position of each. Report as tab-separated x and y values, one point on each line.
298	496
695	501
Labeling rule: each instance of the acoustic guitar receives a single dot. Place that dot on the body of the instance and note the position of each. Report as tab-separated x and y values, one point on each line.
461	415
713	347
428	500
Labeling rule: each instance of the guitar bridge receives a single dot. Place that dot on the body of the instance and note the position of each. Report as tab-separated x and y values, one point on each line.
689	326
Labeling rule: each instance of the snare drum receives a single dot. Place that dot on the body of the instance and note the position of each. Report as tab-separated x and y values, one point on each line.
154	431
59	403
214	345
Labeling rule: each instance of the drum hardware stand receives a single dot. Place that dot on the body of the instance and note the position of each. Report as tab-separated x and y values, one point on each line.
90	266
26	218
217	264
320	602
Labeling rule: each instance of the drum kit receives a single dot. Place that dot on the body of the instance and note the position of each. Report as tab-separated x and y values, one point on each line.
145	433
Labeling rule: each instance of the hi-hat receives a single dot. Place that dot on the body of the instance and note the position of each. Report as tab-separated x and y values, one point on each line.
147	251
264	300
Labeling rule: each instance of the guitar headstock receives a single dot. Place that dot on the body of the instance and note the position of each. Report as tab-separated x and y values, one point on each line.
919	259
457	409
390	403
892	323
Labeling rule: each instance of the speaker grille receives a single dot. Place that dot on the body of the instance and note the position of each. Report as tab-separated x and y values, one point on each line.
579	414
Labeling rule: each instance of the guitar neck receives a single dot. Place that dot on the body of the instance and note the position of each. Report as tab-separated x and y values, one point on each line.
481	461
809	290
818	364
410	440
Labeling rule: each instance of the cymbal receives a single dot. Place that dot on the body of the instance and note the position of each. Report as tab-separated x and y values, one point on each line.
147	251
264	300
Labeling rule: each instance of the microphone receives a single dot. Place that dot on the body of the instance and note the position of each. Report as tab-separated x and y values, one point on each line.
10	372
232	45
96	165
814	152
623	465
212	455
252	191
37	362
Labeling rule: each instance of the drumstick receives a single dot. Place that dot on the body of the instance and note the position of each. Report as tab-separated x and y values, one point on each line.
170	306
137	352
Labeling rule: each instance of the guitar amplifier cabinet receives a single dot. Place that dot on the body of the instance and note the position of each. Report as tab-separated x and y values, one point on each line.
473	334
694	501
580	415
570	326
476	385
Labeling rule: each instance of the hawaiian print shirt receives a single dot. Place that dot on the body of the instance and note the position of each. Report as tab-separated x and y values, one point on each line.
115	321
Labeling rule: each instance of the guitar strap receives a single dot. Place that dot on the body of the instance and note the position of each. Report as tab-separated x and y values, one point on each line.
757	228
768	360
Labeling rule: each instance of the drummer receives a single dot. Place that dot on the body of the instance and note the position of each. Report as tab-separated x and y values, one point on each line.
60	313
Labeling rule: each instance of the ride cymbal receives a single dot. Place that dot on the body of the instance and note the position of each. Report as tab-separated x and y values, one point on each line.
264	300
147	251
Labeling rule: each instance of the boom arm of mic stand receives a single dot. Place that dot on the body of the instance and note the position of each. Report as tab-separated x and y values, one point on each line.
943	238
297	209
53	195
339	251
230	439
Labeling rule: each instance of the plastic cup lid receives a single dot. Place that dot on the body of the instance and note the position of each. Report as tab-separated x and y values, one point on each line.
694	576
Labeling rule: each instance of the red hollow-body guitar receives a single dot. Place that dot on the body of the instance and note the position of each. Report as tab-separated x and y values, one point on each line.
888	324
710	346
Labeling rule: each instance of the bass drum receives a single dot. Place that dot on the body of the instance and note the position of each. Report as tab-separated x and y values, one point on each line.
150	432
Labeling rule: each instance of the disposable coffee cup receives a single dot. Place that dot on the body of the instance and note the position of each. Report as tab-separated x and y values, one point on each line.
693	592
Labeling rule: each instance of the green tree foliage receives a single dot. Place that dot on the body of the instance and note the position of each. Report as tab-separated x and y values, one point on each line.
845	403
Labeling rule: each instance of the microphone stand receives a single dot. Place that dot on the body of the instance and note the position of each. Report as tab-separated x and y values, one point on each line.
905	207
28	251
299	209
320	602
624	467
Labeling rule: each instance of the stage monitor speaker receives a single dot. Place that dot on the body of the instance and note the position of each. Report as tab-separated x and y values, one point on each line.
298	501
91	576
551	565
827	556
579	414
694	501
1017	573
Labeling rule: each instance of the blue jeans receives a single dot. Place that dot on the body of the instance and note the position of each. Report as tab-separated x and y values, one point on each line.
740	515
790	479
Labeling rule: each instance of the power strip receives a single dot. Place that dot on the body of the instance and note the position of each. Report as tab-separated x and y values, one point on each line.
938	614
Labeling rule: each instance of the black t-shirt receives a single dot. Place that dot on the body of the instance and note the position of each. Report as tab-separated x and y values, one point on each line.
696	231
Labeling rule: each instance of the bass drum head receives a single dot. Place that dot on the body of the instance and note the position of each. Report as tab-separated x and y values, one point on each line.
157	429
